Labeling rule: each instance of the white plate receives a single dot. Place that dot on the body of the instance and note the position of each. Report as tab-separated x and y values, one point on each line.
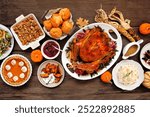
33	44
106	28
144	49
6	53
29	66
129	87
50	85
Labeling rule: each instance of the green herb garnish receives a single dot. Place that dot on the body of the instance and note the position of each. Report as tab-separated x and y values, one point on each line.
127	74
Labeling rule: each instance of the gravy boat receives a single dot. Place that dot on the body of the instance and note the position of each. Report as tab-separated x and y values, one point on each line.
128	46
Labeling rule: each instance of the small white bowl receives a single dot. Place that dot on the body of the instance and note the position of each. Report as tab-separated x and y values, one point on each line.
42	49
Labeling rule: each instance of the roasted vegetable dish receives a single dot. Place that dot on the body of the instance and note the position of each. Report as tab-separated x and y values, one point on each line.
5	41
51	69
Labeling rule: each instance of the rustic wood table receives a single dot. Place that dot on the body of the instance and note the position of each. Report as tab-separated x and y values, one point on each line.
136	10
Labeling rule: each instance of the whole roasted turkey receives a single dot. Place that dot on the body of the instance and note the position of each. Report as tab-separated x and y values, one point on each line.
90	49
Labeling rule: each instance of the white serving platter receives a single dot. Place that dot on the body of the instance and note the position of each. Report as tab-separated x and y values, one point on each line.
106	28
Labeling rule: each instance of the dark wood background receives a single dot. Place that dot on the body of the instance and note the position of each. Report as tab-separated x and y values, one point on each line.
136	10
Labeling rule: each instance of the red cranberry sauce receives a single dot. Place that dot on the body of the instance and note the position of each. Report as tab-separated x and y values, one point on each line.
50	50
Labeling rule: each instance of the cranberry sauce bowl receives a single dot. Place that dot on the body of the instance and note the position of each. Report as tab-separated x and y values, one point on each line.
50	49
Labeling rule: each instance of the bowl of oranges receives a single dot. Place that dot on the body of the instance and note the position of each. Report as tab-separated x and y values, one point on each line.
58	23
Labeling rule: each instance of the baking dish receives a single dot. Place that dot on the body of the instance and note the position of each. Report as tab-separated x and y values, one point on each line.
34	44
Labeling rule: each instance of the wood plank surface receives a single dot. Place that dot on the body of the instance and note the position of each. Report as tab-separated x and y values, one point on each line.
136	10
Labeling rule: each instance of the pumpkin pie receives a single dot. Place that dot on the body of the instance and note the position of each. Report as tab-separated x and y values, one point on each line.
16	70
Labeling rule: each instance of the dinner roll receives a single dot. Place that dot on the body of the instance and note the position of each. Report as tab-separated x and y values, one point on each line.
65	13
56	20
56	32
67	26
47	25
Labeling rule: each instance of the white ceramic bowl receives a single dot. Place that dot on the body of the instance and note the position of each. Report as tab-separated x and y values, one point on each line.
7	52
29	73
49	15
42	47
50	85
128	87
